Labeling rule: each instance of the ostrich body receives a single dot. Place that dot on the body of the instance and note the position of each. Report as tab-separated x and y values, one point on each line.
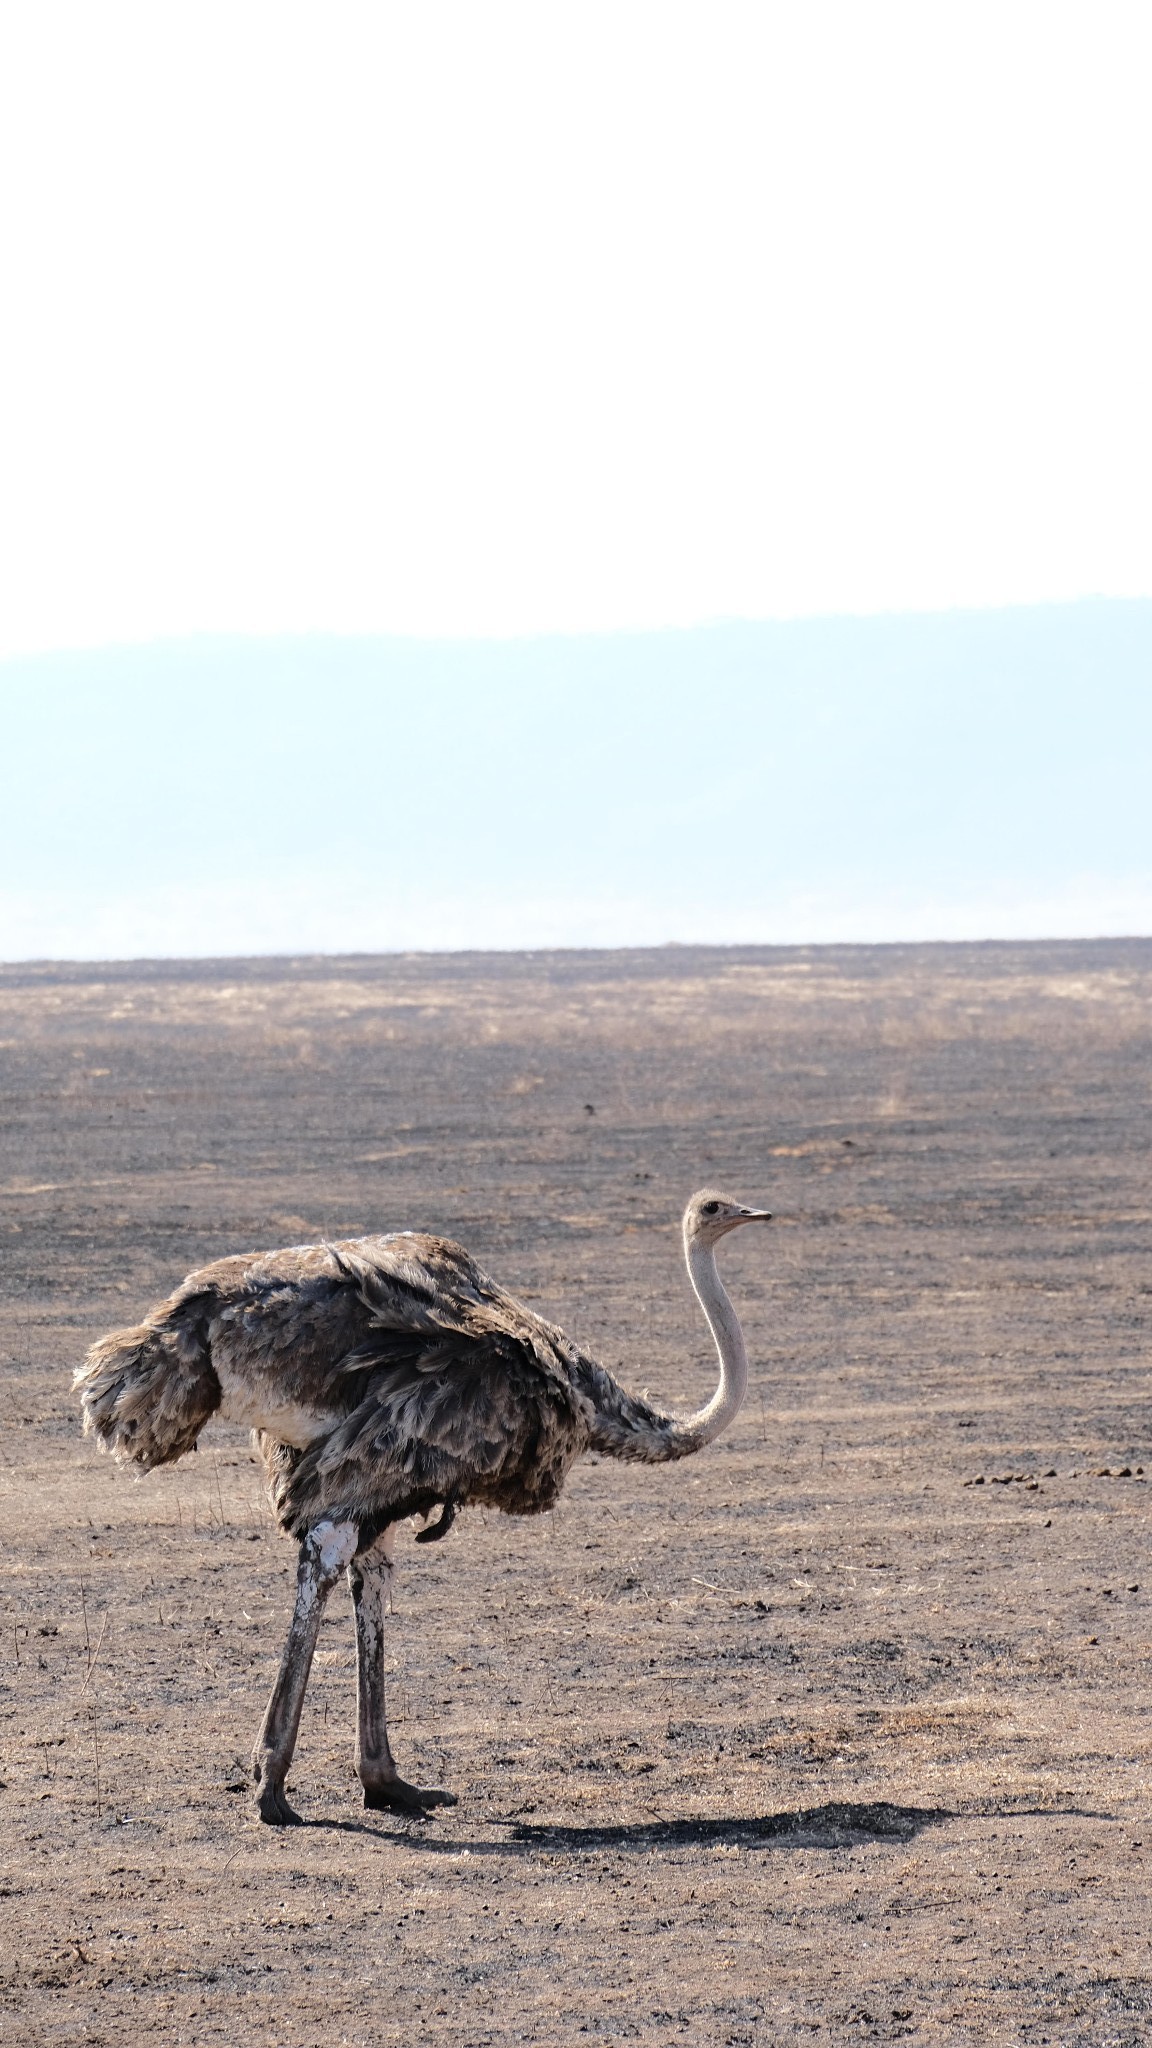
386	1377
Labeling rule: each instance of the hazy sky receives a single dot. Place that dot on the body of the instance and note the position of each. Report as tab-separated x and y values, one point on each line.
506	318
491	324
954	776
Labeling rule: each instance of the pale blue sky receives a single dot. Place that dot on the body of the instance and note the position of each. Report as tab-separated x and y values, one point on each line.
957	775
547	335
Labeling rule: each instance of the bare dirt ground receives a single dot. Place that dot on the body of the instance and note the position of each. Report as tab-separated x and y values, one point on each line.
815	1736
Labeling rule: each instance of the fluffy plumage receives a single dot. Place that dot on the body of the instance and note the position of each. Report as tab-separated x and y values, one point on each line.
414	1378
384	1376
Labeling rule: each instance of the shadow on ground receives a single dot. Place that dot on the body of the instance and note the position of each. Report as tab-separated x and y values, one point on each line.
834	1826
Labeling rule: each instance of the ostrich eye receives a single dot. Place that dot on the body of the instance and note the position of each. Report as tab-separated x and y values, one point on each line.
709	1208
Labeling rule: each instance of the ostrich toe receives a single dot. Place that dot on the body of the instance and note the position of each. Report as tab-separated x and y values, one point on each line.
272	1807
393	1795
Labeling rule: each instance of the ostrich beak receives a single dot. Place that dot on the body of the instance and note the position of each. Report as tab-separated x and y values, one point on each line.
754	1216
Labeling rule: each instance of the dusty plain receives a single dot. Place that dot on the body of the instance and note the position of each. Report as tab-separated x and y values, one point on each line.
814	1737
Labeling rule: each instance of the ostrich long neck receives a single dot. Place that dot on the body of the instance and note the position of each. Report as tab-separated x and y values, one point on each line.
699	1429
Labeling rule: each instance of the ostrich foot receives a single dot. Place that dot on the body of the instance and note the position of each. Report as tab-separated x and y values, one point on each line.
273	1808
393	1795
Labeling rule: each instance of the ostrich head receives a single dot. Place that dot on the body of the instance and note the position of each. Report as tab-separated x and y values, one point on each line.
710	1216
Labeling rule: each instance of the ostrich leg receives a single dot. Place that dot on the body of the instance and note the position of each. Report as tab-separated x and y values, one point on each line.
370	1577
324	1553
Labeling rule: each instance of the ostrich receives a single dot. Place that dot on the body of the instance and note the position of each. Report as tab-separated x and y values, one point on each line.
386	1377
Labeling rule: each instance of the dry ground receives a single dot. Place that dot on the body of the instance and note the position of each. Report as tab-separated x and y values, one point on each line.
814	1737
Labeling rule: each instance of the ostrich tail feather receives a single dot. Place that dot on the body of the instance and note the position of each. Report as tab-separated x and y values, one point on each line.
146	1393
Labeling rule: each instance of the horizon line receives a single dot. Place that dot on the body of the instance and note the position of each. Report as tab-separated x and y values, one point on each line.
802	946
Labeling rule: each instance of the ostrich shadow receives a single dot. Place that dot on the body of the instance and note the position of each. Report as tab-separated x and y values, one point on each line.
836	1825
840	1824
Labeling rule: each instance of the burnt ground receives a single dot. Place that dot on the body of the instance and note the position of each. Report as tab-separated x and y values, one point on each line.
815	1736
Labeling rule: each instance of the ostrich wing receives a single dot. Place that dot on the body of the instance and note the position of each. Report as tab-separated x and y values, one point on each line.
456	1420
462	1394
419	1285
